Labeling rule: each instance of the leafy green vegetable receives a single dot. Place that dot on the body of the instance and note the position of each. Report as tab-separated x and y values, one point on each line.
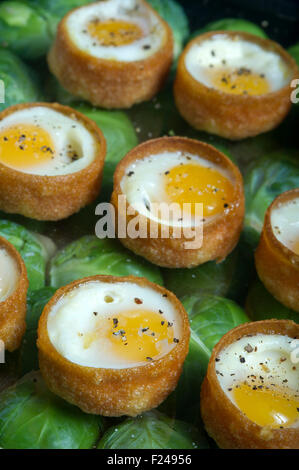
152	430
119	134
261	305
232	24
228	278
89	256
294	51
23	30
267	178
210	318
36	300
28	27
173	13
33	418
29	248
19	82
54	10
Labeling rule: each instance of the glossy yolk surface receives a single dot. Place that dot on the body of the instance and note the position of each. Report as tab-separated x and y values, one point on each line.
135	335
114	33
241	81
23	146
194	183
266	406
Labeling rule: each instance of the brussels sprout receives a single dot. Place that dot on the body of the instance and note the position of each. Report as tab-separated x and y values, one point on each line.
36	300
89	256
267	178
173	13
120	136
261	305
294	51
30	249
23	30
227	279
28	27
19	83
210	318
152	430
54	10
232	24
33	418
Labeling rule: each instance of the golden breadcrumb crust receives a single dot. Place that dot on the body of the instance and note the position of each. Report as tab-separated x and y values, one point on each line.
13	309
44	197
220	234
276	265
109	83
225	114
112	392
225	423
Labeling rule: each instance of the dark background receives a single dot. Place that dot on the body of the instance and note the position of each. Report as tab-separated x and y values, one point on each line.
282	16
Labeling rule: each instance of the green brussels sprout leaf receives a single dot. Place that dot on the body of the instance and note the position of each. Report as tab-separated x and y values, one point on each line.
23	30
120	137
36	300
31	417
89	256
232	24
173	13
152	430
226	279
261	305
19	81
266	179
31	250
210	318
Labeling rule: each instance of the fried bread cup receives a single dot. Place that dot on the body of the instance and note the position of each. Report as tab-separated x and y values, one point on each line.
277	255
221	93
109	381
224	419
147	171
66	151
112	55
13	294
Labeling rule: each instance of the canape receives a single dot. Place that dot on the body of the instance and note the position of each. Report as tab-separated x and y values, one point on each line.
113	53
250	395
234	84
51	160
277	255
13	293
179	202
113	345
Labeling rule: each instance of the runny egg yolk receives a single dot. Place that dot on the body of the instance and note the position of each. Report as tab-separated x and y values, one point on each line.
240	81
193	183
114	33
265	406
135	335
24	145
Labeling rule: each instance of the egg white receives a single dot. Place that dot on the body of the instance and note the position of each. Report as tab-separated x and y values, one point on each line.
205	57
131	11
73	315
270	349
143	182
9	275
64	131
285	223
